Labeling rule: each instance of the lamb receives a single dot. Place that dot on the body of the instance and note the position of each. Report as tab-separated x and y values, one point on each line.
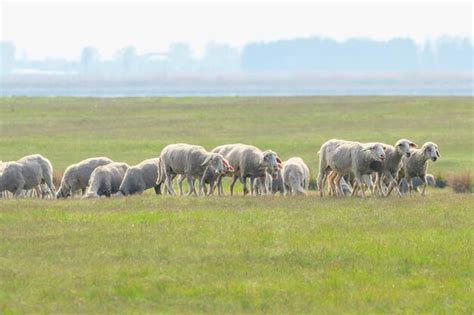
25	174
417	164
345	157
295	175
76	177
106	179
250	162
140	177
188	160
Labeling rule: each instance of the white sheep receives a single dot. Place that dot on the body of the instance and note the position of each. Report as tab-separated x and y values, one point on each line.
295	175
105	180
417	164
346	157
76	177
140	177
190	161
250	162
25	174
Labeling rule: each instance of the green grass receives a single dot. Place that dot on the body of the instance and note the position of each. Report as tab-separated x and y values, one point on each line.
67	130
148	254
283	255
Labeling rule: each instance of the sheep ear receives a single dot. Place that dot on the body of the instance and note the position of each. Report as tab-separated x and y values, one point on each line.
413	145
437	153
279	160
206	161
384	148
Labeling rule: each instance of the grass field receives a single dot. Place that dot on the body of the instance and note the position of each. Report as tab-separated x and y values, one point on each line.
148	254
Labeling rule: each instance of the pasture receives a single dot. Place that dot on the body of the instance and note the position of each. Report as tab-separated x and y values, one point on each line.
148	254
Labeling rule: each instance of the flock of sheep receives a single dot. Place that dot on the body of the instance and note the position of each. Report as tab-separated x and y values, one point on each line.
349	168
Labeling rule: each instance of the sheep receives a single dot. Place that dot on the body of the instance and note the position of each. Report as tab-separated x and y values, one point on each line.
347	157
105	180
250	162
189	160
76	177
25	174
295	175
430	180
417	164
140	177
393	163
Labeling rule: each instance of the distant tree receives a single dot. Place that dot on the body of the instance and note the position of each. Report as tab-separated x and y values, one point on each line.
220	58
127	57
7	57
180	57
89	58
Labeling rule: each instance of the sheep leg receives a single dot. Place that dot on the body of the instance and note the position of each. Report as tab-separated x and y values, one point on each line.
168	183
321	180
220	187
410	185
202	186
355	189
252	187
359	181
330	180
265	187
190	181
243	180
423	179
180	184
339	191
234	179
393	185
18	190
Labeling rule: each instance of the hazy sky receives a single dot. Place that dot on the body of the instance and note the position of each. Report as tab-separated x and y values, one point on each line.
42	29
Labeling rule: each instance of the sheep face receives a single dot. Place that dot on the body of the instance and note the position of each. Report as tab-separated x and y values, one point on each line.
403	146
216	162
271	162
430	151
63	192
377	151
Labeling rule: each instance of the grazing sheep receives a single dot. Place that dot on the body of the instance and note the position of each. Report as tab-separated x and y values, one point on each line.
140	177
76	177
25	174
190	161
295	174
105	180
430	180
346	157
250	162
417	164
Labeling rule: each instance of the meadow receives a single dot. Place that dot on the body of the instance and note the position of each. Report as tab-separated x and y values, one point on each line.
149	254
